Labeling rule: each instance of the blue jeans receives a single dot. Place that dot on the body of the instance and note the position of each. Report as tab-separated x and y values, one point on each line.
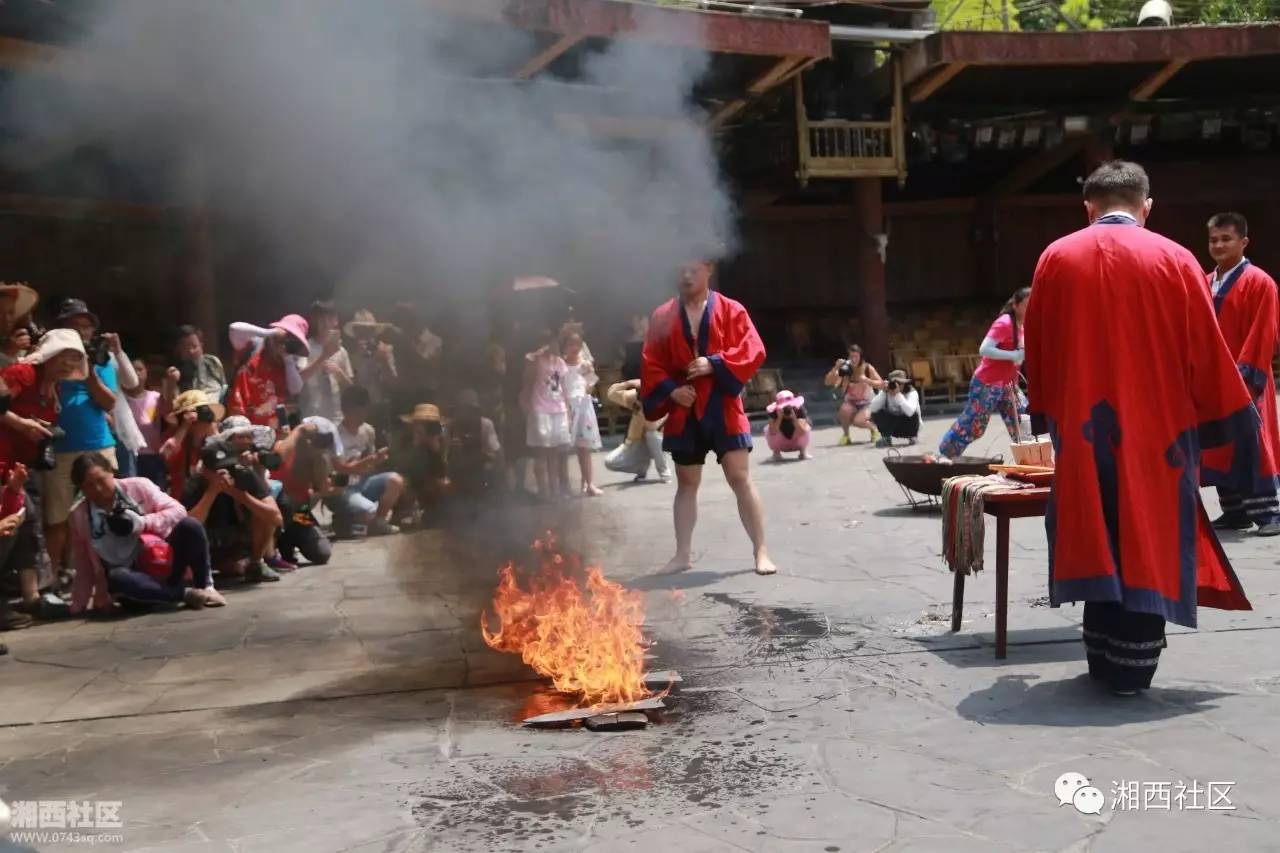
190	551
360	500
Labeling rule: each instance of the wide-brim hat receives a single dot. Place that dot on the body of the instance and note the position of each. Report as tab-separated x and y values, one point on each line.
324	426
294	324
423	413
264	437
57	341
898	376
70	308
189	401
364	324
784	399
25	299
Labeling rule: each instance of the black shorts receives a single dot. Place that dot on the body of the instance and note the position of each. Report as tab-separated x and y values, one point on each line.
704	443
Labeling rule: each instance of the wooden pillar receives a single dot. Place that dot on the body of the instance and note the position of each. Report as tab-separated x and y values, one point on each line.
868	212
200	310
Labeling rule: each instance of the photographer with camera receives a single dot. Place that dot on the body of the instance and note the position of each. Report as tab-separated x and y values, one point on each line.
85	409
130	540
193	369
420	454
326	369
855	382
367	496
267	374
27	431
195	418
896	410
232	498
306	474
788	429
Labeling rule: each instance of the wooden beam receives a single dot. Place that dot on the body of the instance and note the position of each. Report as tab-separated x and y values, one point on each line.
778	73
1144	90
32	57
640	128
922	89
716	32
1029	171
546	56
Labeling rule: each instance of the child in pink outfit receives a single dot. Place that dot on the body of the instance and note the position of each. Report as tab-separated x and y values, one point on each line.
788	430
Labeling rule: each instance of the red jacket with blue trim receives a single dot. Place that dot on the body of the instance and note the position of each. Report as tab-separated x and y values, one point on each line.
1126	362
728	339
1246	306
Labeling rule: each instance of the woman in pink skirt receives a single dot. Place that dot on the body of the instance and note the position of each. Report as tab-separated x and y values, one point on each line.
788	430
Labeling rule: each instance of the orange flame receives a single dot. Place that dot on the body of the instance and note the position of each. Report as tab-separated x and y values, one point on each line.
586	640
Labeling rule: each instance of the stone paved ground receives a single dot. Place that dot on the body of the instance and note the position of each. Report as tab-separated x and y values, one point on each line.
354	707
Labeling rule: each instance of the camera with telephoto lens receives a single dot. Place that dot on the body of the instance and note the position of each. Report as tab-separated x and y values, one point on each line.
220	456
98	351
45	459
845	369
293	346
205	414
788	411
894	385
434	428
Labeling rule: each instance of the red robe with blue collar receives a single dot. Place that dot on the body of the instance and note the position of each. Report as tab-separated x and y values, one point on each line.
1125	360
1246	306
728	339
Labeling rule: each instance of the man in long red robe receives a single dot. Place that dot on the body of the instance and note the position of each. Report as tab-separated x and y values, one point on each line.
696	382
1245	300
1126	362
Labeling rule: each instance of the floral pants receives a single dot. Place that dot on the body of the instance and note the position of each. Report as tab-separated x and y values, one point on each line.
984	401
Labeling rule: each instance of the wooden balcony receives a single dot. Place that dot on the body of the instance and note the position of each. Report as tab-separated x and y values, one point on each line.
838	149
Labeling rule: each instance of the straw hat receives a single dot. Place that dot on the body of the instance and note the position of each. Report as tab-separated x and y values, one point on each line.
423	413
189	401
365	325
24	298
57	341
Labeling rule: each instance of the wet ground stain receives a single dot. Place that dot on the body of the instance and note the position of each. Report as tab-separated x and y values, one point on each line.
703	753
776	630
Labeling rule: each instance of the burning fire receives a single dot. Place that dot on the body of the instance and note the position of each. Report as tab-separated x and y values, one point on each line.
586	640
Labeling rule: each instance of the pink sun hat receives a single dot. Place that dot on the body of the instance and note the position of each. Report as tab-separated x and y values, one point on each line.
294	324
784	399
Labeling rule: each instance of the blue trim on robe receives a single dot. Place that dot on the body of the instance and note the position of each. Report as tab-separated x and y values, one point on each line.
1228	283
1254	379
659	395
1115	219
1242	430
725	377
1102	431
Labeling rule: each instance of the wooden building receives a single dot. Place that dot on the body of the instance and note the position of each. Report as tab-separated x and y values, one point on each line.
997	131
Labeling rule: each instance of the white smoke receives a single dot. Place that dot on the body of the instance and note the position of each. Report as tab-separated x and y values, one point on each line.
377	147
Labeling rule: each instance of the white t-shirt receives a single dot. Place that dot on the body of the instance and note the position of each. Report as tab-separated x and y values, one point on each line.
357	445
321	393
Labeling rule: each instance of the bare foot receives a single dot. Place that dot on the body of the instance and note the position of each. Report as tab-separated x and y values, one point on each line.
592	491
765	566
676	565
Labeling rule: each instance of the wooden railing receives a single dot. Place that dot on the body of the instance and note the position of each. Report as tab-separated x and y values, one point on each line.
851	149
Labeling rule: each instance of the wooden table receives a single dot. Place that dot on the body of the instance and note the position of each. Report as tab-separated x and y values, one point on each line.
1021	503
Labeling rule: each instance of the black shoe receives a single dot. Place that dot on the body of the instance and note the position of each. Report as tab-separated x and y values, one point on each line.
1231	522
1269	529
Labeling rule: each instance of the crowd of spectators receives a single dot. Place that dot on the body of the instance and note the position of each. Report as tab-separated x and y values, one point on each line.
147	483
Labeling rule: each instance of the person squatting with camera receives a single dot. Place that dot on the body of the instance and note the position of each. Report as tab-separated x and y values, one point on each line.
896	410
131	541
365	497
855	383
788	429
229	494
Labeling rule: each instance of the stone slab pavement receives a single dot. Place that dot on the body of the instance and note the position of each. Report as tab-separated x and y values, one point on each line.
354	707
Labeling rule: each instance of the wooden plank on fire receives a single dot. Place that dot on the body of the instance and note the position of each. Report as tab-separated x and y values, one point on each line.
650	704
662	678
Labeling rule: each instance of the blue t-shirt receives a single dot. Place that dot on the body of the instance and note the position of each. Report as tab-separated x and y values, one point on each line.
85	424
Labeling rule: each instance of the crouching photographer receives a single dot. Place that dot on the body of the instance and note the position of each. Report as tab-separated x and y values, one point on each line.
232	498
896	410
306	473
129	540
788	430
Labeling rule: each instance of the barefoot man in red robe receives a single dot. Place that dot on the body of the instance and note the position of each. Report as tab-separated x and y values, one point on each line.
1128	366
701	351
